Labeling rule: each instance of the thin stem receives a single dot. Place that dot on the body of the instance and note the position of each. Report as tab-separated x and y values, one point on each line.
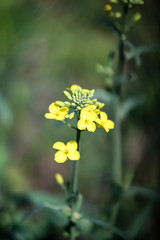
117	135
117	156
69	125
76	167
75	186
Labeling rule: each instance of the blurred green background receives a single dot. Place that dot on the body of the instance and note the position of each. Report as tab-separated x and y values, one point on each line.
45	47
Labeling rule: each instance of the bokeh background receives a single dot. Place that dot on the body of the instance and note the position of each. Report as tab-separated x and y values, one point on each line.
45	47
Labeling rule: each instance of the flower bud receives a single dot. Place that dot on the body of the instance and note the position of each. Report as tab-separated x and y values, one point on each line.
59	178
60	103
68	95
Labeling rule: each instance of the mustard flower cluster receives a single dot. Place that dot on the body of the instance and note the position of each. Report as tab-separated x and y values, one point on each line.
129	3
86	109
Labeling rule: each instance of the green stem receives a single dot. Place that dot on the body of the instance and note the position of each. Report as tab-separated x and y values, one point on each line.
75	187
117	135
117	154
76	167
69	125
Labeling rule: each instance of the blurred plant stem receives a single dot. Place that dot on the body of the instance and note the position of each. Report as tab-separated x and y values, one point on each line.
117	134
74	189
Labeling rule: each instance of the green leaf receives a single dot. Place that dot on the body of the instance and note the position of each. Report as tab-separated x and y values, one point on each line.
37	197
106	96
39	208
110	227
139	221
132	53
128	178
135	52
127	106
144	192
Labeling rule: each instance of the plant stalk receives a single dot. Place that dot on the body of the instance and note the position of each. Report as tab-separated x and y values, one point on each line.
117	135
75	187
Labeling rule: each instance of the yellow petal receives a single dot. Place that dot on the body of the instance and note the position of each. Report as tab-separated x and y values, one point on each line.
75	155
63	110
60	157
91	126
91	108
106	127
81	124
53	107
49	116
71	146
75	87
59	146
84	113
86	90
110	124
97	120
103	116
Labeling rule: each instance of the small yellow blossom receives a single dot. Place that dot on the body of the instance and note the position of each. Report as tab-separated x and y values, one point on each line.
87	117
108	7
66	151
75	88
104	122
70	116
56	112
59	178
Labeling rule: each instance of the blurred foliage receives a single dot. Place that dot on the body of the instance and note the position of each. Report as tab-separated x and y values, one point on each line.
46	46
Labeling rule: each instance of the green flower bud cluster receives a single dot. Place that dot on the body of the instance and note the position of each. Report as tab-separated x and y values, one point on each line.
81	98
129	2
134	2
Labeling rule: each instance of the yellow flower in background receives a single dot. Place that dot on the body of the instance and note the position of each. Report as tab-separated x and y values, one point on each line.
59	178
104	122
66	151
56	112
87	117
108	7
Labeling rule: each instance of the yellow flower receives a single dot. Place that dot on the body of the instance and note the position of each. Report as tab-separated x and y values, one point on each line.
66	151
108	7
87	116
59	178
57	112
103	122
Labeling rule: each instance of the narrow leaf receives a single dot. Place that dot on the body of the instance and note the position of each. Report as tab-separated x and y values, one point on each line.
39	208
132	53
110	227
139	222
144	192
